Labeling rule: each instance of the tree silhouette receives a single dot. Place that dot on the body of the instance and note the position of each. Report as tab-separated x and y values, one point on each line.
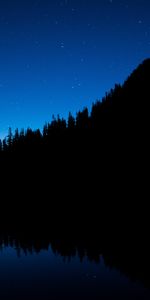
45	130
0	145
82	119
4	145
9	138
71	121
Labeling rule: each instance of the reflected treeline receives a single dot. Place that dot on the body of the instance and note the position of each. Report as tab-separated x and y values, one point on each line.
133	264
29	244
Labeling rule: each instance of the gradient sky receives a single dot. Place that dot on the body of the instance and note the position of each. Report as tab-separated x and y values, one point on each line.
58	56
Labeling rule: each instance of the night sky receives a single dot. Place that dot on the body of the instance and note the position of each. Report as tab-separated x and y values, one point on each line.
58	56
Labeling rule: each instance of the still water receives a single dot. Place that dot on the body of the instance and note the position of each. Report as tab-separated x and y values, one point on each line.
47	275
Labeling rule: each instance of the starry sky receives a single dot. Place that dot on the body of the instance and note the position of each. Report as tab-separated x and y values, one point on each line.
58	56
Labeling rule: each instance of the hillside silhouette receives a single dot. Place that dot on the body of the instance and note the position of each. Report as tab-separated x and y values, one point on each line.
124	108
86	175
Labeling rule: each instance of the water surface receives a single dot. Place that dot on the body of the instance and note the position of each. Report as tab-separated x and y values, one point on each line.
48	275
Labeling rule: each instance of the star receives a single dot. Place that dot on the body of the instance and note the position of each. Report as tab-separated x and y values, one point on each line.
62	45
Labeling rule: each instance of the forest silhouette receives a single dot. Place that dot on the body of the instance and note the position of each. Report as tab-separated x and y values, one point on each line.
87	176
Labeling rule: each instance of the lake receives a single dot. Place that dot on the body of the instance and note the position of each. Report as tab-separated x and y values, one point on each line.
26	273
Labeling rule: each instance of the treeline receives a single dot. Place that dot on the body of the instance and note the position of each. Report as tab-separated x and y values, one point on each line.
122	112
100	146
83	121
84	174
31	137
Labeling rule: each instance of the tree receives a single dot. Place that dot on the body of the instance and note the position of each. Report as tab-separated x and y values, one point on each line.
71	121
4	145
9	138
0	145
22	138
82	119
45	130
22	135
37	134
16	135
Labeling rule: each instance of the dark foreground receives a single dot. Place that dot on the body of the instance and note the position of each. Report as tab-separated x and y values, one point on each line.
77	203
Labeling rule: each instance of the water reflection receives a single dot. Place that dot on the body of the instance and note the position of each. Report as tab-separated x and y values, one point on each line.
33	269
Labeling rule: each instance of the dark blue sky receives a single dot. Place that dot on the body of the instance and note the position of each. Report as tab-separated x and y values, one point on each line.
58	56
